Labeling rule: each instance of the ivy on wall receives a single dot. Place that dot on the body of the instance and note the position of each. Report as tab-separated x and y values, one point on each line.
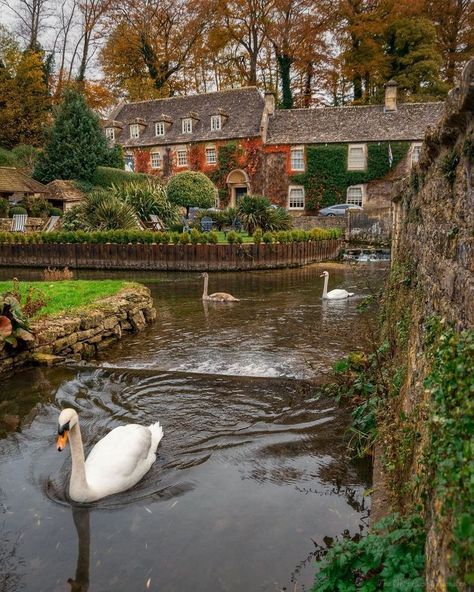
326	178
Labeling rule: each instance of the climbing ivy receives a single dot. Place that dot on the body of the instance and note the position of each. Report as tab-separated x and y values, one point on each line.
326	177
390	558
449	456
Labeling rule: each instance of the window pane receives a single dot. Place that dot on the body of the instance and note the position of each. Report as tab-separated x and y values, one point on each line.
160	129
134	131
215	122
211	157
156	160
415	154
354	196
187	126
182	158
297	159
296	198
356	158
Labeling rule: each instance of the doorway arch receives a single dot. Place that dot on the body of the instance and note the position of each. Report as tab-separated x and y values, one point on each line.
238	184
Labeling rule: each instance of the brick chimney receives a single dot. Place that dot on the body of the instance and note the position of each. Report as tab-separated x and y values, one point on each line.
391	96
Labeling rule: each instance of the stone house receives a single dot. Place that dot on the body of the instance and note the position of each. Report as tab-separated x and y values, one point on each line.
14	185
301	159
64	194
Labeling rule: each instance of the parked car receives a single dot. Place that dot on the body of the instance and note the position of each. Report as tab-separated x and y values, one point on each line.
338	209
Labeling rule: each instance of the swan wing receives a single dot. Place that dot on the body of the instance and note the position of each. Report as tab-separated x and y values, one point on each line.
338	294
120	459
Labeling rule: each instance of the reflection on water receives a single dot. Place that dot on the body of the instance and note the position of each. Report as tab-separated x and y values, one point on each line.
251	475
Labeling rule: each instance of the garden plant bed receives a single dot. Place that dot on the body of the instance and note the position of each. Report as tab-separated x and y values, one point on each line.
80	319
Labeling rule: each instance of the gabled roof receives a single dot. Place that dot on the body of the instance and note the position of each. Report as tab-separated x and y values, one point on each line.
64	191
243	108
369	123
14	181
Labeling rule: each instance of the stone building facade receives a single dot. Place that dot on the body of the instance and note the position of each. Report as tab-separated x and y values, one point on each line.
301	159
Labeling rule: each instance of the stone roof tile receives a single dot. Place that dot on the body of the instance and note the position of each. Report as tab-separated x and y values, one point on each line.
14	181
243	108
352	124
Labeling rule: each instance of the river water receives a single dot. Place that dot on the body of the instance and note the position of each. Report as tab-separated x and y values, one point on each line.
251	474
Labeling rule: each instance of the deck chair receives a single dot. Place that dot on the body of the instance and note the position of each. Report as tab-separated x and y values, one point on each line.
19	222
206	224
157	223
51	224
140	224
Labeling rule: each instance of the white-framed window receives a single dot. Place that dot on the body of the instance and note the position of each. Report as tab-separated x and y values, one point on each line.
155	160
211	155
296	199
187	125
159	128
357	157
297	159
216	123
182	157
415	152
110	133
134	131
355	195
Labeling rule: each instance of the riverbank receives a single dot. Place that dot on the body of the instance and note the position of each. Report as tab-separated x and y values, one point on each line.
79	319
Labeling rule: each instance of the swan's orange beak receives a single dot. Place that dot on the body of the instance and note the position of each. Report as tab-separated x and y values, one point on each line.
62	441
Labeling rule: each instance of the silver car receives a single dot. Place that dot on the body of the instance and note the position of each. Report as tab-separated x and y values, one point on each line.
338	209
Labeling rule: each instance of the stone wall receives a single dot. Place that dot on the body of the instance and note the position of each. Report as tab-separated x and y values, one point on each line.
80	335
310	222
432	271
369	226
32	224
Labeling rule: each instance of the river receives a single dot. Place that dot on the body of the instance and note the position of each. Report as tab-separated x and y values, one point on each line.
252	473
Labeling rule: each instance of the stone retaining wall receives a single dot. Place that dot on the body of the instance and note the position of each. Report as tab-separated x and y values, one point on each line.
310	222
80	335
32	224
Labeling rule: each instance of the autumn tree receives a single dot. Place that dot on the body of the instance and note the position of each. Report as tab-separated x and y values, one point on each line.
75	144
158	36
454	23
31	17
24	100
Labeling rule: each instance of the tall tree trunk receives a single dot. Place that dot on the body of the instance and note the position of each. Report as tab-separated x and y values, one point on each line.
308	85
284	67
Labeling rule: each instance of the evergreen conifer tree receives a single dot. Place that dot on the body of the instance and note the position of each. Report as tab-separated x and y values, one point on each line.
75	143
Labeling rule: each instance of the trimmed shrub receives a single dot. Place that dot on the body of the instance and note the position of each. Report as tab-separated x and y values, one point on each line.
184	238
268	238
105	176
191	189
195	236
213	237
55	212
17	210
257	236
231	237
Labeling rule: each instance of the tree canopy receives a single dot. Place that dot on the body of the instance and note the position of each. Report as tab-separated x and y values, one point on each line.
191	189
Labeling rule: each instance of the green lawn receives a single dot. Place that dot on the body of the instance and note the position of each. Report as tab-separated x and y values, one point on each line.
63	296
245	237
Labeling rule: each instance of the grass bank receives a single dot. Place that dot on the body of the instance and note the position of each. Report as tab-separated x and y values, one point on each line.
67	295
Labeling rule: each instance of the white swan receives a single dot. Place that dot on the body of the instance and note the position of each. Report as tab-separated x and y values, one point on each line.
333	294
116	462
217	296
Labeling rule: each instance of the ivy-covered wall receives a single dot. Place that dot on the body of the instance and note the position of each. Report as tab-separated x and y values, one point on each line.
326	178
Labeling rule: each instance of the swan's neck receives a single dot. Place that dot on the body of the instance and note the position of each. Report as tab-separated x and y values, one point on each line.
206	282
78	484
325	289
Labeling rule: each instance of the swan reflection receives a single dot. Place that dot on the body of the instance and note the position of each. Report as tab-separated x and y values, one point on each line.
81	517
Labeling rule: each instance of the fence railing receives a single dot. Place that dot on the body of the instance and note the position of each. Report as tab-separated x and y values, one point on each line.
169	257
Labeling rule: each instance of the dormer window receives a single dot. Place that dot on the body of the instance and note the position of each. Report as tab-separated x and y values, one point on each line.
110	134
134	131
216	123
160	128
187	125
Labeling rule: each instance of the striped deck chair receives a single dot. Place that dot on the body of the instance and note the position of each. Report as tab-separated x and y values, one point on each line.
157	223
51	224
19	222
140	224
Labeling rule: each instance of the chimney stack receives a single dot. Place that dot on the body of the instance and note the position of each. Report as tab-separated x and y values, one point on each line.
391	96
270	103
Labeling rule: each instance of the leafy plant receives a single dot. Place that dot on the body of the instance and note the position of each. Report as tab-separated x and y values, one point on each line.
17	210
390	558
257	236
4	208
254	211
14	324
231	237
37	207
54	275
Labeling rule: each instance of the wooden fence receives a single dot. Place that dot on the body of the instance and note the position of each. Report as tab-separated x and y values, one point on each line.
169	257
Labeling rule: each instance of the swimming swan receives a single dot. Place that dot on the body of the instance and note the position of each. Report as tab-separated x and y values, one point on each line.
116	462
217	296
333	294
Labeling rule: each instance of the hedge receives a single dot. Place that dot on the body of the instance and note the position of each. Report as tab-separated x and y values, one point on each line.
106	176
149	237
